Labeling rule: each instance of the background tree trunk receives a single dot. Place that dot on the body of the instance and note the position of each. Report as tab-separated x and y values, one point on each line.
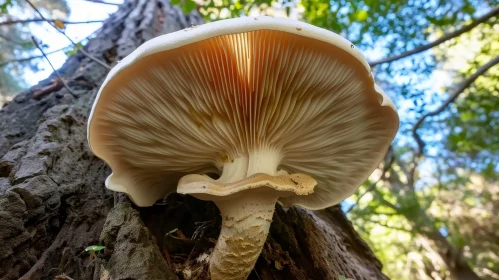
53	203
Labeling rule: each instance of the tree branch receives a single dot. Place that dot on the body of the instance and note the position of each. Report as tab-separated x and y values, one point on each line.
67	37
390	227
103	2
386	213
15	21
2	64
19	60
455	33
385	202
13	41
462	87
373	185
53	68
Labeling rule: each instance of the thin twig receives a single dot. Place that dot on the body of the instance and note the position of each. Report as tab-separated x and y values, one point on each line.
257	274
189	257
401	164
461	88
386	213
56	85
373	185
65	22
390	227
103	2
451	35
53	68
167	256
412	168
18	60
71	40
386	203
30	58
13	41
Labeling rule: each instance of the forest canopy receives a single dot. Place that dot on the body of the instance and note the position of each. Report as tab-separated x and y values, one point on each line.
430	209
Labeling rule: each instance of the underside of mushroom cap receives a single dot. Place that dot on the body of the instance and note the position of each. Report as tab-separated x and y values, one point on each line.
193	101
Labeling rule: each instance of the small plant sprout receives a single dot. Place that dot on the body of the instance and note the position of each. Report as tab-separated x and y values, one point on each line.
62	277
283	111
94	248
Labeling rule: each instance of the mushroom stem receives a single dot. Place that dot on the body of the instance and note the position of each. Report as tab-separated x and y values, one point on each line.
262	160
245	226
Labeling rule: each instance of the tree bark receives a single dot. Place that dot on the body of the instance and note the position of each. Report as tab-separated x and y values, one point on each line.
53	203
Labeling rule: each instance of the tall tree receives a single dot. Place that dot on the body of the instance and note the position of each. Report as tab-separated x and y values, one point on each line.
53	203
429	213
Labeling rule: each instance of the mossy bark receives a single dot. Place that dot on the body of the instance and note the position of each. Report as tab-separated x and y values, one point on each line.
53	203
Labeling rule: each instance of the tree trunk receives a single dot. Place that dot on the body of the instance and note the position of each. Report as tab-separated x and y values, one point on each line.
452	257
53	203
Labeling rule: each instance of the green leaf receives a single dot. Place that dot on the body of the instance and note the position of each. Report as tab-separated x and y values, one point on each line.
188	6
75	49
466	116
175	2
5	4
361	15
28	45
238	5
341	277
94	248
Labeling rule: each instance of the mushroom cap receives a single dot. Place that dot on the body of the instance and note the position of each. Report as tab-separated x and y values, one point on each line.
188	101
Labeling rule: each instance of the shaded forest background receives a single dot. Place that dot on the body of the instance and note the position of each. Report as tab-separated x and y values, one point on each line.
430	210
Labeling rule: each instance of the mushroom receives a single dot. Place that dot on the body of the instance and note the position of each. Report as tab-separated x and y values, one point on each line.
282	110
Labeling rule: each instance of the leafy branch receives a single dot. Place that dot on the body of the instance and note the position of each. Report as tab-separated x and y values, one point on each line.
460	89
14	41
20	60
67	37
447	37
53	68
71	49
390	226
